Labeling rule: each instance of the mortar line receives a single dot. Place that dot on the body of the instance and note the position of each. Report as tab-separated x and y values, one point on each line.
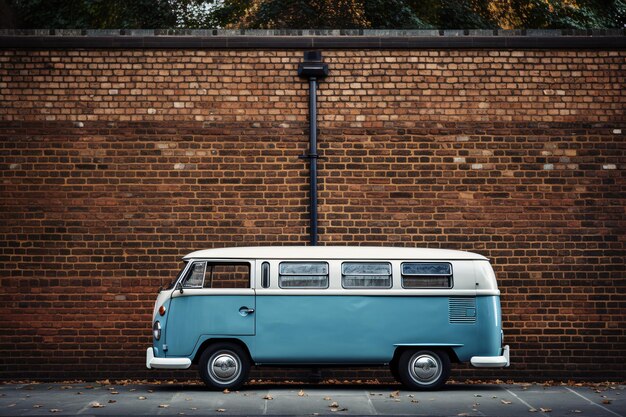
594	403
525	403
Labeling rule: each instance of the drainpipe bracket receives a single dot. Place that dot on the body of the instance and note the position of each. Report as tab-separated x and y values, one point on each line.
311	156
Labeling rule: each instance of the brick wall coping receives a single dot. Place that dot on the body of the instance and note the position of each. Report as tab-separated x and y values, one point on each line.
609	39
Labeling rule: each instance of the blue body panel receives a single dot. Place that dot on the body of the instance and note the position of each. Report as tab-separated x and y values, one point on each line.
488	327
351	329
330	329
194	316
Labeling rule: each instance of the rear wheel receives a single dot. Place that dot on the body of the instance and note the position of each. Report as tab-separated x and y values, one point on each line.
424	369
224	366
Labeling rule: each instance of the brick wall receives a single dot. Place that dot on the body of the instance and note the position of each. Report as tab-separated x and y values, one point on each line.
115	163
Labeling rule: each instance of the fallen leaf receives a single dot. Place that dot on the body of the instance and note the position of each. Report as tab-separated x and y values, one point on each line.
114	393
607	401
505	402
545	410
532	410
477	395
88	386
141	398
220	410
301	393
193	408
411	396
112	401
95	404
150	391
226	391
576	411
334	404
163	405
414	401
327	399
37	406
79	393
55	410
394	394
268	397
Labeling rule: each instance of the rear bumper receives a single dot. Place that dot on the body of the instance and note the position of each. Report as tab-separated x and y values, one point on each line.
165	363
492	361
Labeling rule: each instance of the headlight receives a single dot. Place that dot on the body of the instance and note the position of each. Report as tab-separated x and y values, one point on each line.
156	330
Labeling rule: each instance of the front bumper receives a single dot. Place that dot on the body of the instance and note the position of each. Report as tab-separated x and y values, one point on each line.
492	361
165	363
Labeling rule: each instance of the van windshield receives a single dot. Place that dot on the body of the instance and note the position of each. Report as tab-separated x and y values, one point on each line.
173	282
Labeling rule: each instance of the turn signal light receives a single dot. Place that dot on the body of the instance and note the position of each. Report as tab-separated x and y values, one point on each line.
162	310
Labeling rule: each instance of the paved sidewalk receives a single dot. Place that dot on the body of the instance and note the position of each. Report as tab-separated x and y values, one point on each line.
501	400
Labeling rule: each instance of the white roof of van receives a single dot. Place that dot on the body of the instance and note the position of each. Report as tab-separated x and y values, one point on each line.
332	252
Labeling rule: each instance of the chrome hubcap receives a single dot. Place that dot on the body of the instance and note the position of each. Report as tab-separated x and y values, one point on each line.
424	368
224	367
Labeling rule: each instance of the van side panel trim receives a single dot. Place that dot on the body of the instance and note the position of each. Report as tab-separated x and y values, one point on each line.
428	344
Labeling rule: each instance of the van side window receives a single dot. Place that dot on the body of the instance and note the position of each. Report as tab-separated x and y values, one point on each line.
303	275
265	274
427	275
366	275
195	276
221	275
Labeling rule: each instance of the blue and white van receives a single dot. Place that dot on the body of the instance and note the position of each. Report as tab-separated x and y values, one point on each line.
415	310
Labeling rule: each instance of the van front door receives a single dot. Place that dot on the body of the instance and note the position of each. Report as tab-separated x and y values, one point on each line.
217	300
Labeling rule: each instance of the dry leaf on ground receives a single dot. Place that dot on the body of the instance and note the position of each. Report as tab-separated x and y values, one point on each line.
221	410
95	404
545	410
301	393
163	405
141	397
394	394
268	397
505	402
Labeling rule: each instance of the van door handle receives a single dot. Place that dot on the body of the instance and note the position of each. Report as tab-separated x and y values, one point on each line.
244	311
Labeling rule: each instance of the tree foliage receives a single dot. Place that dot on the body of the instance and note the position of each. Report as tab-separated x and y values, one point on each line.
314	14
94	14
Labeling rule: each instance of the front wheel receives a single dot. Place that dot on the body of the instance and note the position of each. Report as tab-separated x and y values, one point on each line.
423	369
224	366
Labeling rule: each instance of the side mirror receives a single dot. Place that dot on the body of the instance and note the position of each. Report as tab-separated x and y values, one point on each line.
179	287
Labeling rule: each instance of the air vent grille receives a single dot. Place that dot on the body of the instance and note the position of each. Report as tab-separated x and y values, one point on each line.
462	309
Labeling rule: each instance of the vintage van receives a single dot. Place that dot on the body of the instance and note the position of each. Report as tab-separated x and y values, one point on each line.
415	310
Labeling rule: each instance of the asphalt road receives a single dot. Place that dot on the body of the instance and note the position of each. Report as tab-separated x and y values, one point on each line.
502	400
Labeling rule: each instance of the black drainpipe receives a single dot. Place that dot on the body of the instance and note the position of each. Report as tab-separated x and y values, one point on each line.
314	69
